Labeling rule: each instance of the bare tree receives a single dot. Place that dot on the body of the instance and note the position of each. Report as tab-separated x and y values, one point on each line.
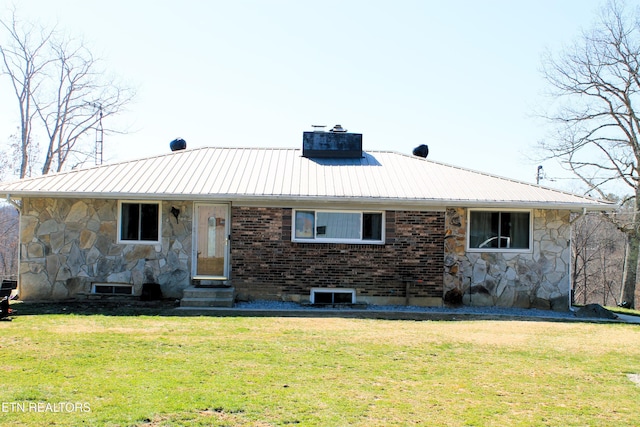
83	98
597	88
62	92
598	253
24	61
584	254
8	241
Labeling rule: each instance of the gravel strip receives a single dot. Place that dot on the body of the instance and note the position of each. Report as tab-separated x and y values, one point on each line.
494	311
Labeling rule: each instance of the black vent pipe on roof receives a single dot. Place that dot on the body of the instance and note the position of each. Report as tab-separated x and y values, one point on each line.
178	144
421	151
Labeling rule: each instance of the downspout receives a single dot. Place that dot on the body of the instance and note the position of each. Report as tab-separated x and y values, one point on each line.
584	212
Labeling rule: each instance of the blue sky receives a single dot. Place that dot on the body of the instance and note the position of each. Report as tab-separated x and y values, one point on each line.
462	77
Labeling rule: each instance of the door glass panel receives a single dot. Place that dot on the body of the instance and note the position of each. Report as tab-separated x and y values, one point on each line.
212	240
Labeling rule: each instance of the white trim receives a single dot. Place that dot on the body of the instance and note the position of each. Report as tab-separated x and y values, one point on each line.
286	200
359	241
333	291
139	242
357	204
500	250
212	278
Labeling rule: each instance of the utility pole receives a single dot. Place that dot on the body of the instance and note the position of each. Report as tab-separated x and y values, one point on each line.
539	175
99	132
99	138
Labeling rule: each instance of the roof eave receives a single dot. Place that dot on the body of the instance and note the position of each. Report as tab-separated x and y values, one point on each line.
591	206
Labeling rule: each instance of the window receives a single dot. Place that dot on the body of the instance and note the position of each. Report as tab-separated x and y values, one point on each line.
332	296
338	226
105	288
139	222
499	230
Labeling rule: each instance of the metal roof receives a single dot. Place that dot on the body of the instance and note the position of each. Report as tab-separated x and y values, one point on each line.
284	175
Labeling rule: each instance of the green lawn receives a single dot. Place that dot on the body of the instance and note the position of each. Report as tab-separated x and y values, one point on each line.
152	370
621	310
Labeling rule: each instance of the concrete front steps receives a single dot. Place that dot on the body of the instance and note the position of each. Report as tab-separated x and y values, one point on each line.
195	297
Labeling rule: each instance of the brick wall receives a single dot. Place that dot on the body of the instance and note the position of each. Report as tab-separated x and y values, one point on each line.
267	264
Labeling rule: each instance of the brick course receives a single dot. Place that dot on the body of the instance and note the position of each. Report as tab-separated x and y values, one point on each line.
265	263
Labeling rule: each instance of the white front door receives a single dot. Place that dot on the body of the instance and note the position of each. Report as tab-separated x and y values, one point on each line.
211	248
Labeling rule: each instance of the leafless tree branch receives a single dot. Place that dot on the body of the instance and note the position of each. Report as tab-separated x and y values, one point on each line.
596	87
62	91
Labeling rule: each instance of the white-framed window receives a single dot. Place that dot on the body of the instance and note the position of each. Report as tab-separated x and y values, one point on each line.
338	226
494	230
139	222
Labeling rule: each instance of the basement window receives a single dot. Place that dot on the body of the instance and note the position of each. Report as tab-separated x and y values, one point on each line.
499	230
333	296
111	289
338	226
139	222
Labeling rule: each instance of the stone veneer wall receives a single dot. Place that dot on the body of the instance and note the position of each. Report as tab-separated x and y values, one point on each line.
266	264
536	279
67	244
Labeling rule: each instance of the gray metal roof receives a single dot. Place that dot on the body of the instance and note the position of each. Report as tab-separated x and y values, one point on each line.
283	175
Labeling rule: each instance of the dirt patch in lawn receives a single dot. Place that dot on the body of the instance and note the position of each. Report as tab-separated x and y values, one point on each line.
635	378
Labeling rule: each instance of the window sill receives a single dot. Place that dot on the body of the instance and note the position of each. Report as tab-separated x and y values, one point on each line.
139	242
339	242
499	250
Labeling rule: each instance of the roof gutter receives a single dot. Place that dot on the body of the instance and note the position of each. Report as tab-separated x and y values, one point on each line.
279	200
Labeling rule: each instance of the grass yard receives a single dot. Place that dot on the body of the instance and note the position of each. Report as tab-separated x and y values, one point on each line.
153	370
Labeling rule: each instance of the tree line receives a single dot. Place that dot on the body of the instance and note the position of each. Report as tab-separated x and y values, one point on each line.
8	242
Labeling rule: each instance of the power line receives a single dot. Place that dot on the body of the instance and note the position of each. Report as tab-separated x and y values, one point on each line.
540	175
